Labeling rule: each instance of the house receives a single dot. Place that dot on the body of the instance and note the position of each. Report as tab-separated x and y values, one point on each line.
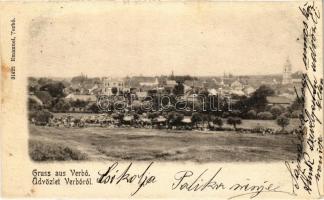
141	95
170	83
238	92
150	84
248	90
81	97
297	77
194	83
186	120
126	90
168	86
279	100
108	83
290	96
212	92
237	85
186	88
93	89
160	119
128	118
224	90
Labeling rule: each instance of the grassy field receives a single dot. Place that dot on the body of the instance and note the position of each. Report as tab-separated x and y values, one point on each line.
95	143
266	124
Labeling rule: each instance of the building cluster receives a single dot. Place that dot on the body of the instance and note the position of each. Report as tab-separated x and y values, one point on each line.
87	89
226	85
142	86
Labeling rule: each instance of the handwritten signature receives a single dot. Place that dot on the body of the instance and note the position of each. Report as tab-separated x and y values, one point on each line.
113	175
186	180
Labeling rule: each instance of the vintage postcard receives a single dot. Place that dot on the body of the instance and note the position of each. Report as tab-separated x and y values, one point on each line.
162	99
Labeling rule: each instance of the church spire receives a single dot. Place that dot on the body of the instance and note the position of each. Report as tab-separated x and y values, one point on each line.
286	76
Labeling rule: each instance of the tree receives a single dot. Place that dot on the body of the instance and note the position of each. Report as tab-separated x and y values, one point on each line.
276	111
296	114
174	118
152	115
33	105
62	106
44	81
258	100
136	106
93	108
33	84
55	89
118	116
234	121
41	116
45	97
251	114
296	105
114	90
136	116
79	103
79	79
206	100
196	118
235	113
225	114
178	89
283	121
218	121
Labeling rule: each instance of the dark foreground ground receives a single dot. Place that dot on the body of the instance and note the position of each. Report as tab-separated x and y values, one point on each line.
96	143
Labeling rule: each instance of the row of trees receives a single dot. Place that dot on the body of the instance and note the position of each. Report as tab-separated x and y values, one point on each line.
42	117
51	93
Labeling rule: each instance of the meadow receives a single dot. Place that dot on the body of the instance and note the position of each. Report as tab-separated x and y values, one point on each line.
97	143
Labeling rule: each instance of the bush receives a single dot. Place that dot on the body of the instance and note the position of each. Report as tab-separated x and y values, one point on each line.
234	121
276	111
46	151
218	121
265	115
196	118
33	105
45	97
79	103
286	114
295	114
251	114
283	121
225	114
62	106
93	108
174	118
268	108
41	117
235	113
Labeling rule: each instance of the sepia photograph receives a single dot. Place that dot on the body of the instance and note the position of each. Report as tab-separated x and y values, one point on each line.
175	86
162	99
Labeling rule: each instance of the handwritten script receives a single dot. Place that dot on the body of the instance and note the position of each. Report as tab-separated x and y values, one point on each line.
189	181
306	170
114	175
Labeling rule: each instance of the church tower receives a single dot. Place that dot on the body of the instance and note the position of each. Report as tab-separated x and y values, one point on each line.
172	75
286	75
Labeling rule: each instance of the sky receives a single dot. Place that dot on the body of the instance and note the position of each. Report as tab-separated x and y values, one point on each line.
151	39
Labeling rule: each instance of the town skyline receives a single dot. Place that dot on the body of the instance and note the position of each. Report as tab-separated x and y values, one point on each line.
162	75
